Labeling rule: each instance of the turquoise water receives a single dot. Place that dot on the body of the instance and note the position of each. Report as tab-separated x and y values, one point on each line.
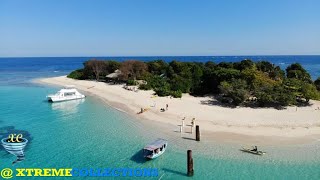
87	133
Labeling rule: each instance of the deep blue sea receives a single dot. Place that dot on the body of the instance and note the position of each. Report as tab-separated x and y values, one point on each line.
20	70
90	134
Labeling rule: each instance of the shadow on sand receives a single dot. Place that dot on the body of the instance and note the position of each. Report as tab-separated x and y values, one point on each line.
216	103
193	139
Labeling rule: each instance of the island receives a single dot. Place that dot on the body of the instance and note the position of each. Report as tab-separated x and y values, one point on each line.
243	100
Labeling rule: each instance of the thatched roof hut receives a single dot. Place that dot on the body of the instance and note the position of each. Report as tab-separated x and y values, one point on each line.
115	75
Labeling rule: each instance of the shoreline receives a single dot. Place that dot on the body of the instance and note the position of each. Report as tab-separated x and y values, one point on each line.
262	126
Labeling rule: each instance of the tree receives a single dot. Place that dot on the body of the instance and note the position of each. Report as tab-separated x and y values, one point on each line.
210	65
133	70
277	74
180	83
264	97
265	66
227	65
283	96
111	66
244	64
298	72
309	91
163	88
317	83
157	67
257	79
224	74
180	68
97	67
237	80
236	90
76	74
263	87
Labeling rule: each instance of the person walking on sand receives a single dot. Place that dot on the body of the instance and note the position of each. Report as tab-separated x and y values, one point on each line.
192	122
167	106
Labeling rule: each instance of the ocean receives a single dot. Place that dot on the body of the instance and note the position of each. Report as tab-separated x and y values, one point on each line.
90	134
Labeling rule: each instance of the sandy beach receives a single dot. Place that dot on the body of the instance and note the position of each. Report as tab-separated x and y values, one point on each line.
260	125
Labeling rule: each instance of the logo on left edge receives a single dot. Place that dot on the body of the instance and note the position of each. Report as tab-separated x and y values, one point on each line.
6	173
15	144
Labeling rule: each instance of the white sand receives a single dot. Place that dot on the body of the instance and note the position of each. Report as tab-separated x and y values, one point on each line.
267	123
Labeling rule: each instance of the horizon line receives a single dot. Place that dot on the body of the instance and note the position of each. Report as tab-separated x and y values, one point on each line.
117	56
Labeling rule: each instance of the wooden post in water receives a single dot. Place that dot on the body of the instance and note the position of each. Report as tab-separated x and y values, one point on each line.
190	163
197	133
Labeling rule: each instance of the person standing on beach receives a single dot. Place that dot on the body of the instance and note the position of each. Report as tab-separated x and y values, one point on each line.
192	122
167	106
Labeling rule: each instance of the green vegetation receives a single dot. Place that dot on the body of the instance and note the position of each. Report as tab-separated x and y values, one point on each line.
131	82
237	90
240	83
317	83
77	74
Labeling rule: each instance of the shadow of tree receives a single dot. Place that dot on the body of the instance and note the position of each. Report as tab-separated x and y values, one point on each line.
304	104
215	102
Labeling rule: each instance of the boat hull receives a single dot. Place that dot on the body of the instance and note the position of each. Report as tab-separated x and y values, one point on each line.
260	153
154	156
55	99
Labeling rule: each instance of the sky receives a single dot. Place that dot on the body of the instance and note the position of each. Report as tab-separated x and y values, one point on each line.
158	27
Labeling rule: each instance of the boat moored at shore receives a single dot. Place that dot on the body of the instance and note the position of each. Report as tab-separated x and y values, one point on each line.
66	94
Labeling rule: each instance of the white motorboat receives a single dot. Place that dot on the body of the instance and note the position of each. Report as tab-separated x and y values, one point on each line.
66	94
155	149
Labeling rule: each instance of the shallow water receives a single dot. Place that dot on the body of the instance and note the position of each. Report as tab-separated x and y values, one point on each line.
89	134
86	133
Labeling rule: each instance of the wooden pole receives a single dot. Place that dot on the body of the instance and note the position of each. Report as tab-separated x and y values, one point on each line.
182	125
197	133
190	163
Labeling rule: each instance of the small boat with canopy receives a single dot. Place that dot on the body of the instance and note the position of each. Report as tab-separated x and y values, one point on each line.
155	148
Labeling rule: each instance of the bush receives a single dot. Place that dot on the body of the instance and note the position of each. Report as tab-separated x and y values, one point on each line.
163	90
236	90
77	74
145	87
176	94
131	82
317	83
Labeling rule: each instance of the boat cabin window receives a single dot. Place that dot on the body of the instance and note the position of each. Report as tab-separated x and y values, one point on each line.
147	152
69	94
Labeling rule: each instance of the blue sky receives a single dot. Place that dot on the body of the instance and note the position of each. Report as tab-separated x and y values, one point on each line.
162	27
